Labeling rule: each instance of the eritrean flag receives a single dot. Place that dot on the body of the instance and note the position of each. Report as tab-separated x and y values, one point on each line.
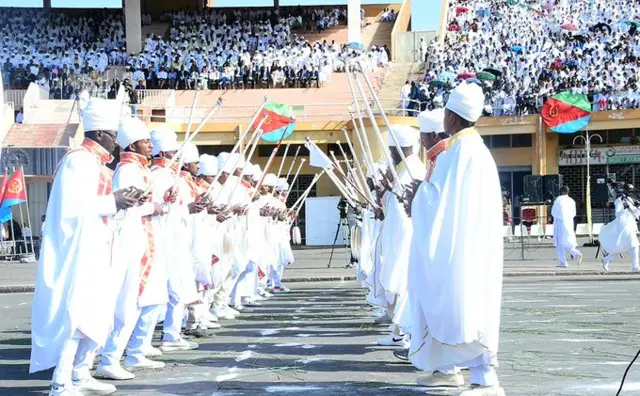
14	192
567	112
279	124
5	213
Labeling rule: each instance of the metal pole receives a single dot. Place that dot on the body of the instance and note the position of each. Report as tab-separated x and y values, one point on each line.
588	146
29	222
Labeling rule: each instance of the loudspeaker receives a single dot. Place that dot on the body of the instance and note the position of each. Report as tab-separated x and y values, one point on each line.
533	188
601	192
552	184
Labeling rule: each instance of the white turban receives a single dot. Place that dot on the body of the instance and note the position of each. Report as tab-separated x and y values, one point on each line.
248	169
257	173
222	159
431	121
406	135
230	164
282	184
100	115
130	131
376	167
270	180
164	139
467	101
190	154
208	165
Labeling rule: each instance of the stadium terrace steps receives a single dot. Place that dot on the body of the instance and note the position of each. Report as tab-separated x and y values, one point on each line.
375	33
330	102
397	76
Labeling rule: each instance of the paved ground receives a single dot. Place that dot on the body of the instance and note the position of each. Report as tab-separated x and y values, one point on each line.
311	264
558	338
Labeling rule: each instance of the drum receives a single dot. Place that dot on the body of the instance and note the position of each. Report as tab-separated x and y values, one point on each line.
356	241
296	238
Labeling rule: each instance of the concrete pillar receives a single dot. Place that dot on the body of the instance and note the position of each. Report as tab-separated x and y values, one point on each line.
46	6
276	3
133	25
354	28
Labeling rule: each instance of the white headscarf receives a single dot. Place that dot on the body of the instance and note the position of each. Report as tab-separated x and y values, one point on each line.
190	154
164	139
208	165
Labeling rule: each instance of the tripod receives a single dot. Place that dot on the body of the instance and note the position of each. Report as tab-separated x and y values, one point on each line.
346	237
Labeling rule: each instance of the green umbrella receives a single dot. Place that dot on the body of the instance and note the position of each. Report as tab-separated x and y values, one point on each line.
635	23
437	83
493	71
483	75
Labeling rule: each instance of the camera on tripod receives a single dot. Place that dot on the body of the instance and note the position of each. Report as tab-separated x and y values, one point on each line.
343	208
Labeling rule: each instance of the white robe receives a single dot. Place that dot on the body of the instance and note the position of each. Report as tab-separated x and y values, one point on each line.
129	246
395	242
563	212
72	281
456	258
620	235
365	263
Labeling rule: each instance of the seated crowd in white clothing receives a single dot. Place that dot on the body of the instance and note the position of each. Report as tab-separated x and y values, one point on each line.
536	49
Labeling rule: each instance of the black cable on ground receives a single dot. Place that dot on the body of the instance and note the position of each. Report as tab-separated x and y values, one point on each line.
626	371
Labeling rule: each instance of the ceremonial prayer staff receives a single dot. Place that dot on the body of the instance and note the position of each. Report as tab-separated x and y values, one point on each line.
293	162
374	124
271	158
251	144
240	139
384	117
284	157
351	183
301	200
350	169
302	161
187	136
357	164
366	151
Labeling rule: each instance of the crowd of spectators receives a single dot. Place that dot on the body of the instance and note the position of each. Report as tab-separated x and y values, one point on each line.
208	49
524	51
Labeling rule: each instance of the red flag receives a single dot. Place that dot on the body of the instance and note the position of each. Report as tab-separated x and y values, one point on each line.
14	192
3	187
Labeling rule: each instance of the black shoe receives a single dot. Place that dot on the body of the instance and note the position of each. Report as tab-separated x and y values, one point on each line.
402	354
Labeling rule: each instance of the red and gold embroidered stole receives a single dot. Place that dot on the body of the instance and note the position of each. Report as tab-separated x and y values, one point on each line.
146	263
432	156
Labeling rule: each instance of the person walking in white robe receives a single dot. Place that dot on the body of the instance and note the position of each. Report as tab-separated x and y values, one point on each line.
73	304
141	285
457	257
621	235
395	237
564	236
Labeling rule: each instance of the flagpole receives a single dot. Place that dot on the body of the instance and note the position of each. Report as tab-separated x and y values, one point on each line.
33	248
24	238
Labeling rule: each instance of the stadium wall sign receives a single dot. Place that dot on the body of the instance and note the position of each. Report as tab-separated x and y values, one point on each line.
599	156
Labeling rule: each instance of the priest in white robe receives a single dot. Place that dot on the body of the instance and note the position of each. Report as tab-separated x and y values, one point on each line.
170	242
140	285
395	237
564	236
73	305
621	235
456	257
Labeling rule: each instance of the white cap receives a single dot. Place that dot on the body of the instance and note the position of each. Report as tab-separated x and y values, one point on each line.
406	135
100	115
164	139
270	180
190	154
431	121
208	165
130	131
467	101
257	173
